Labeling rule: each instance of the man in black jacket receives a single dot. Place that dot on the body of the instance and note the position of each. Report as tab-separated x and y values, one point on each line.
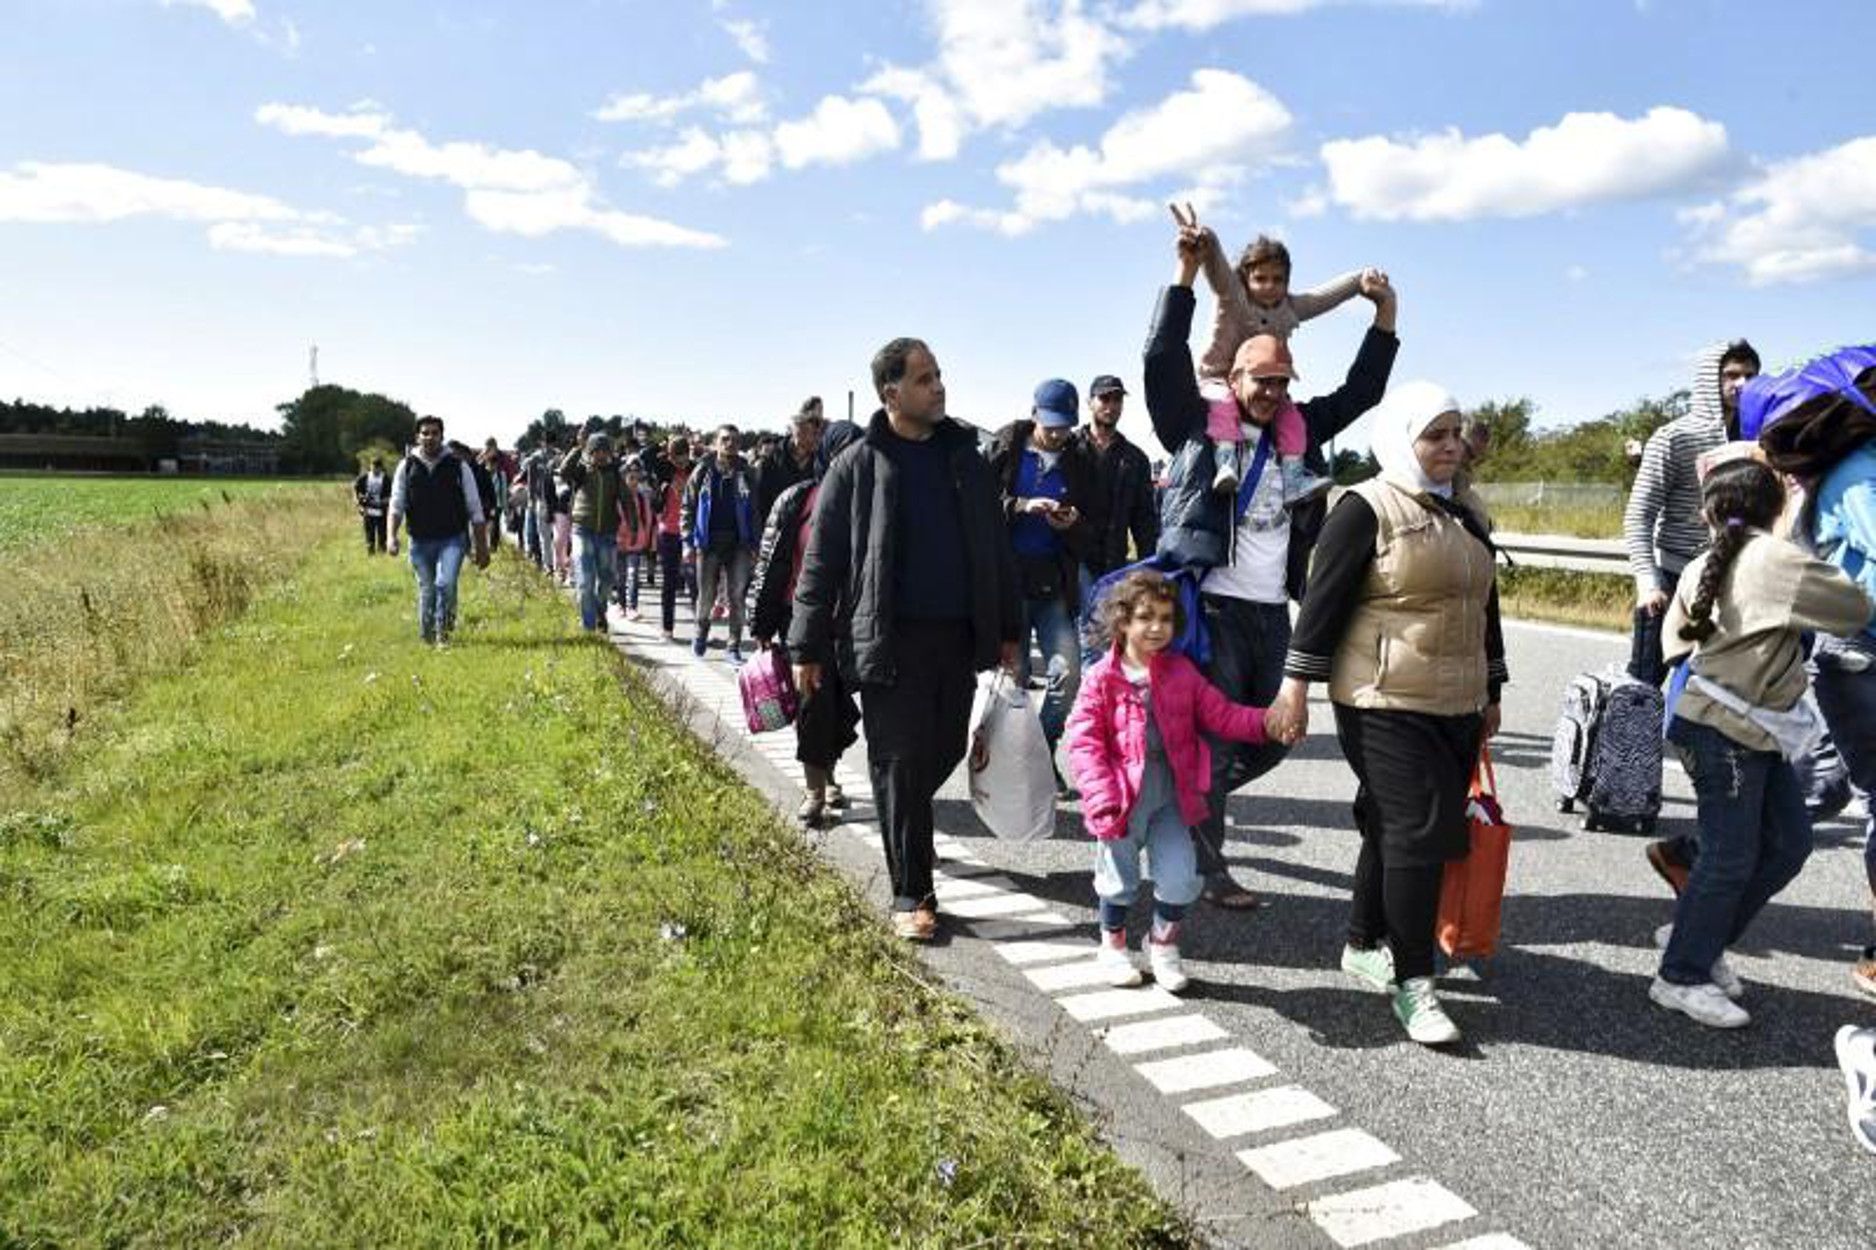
1257	552
791	460
1048	492
1124	506
907	584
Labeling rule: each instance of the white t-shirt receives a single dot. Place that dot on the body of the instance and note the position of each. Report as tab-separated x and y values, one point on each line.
1261	553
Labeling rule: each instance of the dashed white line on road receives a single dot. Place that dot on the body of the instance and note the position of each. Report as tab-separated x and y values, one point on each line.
1338	1152
1075	976
1395	1209
1149	1035
1491	1241
1042	951
1239	1114
1108	1004
994	905
1205	1071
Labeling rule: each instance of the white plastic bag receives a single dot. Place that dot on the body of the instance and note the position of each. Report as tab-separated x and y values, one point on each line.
1012	780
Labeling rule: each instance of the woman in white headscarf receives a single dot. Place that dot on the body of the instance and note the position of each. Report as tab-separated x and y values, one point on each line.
1401	620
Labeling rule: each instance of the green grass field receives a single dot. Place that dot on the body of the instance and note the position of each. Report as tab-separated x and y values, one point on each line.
36	508
330	938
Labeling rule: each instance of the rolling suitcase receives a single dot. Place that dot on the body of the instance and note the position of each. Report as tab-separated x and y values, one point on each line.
1606	753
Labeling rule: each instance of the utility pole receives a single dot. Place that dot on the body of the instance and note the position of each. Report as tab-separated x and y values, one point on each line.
313	366
850	407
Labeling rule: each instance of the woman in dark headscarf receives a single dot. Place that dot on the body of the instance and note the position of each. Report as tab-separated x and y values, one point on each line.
824	727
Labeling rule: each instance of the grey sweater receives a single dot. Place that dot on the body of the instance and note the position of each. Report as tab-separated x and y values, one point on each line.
1662	526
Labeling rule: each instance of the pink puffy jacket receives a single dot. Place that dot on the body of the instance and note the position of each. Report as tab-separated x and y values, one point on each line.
1107	737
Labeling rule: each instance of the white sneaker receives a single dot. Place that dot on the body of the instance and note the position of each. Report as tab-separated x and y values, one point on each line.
1721	971
1856	1055
1706	1003
1418	1009
1122	972
1168	972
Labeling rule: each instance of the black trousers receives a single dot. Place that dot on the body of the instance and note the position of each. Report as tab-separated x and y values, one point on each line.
915	736
374	534
1248	642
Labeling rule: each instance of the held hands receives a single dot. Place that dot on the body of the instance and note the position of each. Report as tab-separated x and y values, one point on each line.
1287	719
1375	285
1491	722
1061	518
1654	603
1010	658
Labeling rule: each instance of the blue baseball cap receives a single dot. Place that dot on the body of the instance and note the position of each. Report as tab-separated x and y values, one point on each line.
1058	403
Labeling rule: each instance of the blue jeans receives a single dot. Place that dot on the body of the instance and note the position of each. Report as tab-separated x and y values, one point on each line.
1754	837
438	562
595	563
632	565
533	544
1172	861
1051	622
1248	642
1848	701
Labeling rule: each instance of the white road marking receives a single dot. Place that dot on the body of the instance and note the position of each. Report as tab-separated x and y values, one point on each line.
1076	976
1491	1241
1238	1114
1033	925
1023	953
1147	1035
1391	1210
1203	1071
1108	1004
994	905
949	888
1338	1152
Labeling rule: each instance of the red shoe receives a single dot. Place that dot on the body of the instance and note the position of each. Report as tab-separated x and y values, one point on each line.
1674	874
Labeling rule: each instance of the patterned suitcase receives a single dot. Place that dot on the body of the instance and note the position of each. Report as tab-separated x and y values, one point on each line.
1606	753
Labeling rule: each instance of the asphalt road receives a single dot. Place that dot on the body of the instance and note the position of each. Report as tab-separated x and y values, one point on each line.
1281	1104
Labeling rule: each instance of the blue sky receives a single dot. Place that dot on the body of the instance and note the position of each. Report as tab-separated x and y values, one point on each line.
708	210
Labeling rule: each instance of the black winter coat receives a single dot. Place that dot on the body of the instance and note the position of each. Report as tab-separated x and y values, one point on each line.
1126	508
769	605
1077	541
843	598
1195	521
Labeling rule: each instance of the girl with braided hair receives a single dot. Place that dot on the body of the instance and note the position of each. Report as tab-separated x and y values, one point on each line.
1739	717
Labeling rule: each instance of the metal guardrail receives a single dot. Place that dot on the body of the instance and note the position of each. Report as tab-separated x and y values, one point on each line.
1551	551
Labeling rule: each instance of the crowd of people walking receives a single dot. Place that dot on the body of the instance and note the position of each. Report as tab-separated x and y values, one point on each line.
895	560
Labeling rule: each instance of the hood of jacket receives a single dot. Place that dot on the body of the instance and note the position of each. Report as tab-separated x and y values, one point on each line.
1705	403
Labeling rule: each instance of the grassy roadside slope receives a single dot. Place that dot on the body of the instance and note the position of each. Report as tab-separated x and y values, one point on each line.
336	940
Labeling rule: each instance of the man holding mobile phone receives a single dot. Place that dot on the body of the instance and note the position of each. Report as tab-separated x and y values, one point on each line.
1048	486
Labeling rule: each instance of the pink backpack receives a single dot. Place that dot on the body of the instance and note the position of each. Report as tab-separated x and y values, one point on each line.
768	689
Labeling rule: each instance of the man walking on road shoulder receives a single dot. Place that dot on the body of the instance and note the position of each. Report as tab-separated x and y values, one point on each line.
1124	507
594	476
437	494
719	528
373	492
1048	490
1256	550
907	584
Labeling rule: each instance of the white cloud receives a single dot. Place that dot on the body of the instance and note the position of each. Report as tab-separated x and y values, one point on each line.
233	12
737	97
750	36
1001	63
511	191
839	132
237	220
1800	220
1206	133
1202	15
1586	158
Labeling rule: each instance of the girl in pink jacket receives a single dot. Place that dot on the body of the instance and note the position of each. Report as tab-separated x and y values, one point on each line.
1135	748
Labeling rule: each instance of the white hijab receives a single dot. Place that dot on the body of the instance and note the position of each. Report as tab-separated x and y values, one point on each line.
1397	421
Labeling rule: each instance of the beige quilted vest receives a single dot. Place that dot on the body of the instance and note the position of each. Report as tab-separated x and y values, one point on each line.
1416	642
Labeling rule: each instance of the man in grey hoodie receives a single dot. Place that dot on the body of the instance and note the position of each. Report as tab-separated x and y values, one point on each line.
1662	526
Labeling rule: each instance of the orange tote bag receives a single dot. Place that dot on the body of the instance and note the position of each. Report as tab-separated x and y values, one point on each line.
1472	892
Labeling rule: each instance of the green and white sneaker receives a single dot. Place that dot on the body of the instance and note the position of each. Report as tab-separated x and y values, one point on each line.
1418	1009
1375	966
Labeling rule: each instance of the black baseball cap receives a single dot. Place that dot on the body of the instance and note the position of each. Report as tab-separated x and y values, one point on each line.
1106	384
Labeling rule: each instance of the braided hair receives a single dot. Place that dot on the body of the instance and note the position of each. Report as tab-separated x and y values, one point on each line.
1737	498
